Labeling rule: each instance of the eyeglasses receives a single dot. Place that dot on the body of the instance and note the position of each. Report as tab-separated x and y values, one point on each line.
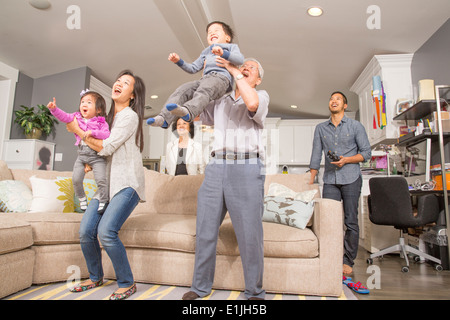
248	66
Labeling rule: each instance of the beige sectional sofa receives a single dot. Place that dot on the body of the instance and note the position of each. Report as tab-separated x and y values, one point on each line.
43	247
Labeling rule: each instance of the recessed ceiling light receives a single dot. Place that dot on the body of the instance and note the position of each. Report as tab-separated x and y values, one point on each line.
315	11
294	106
40	4
154	96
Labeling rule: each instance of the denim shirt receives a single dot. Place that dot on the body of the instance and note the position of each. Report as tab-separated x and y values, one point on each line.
348	139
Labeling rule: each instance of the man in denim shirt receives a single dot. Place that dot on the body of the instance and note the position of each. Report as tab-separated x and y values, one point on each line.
342	180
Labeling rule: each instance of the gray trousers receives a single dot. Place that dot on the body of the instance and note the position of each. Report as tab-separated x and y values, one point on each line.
239	188
196	95
98	164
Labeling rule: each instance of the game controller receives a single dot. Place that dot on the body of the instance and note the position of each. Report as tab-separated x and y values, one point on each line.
333	156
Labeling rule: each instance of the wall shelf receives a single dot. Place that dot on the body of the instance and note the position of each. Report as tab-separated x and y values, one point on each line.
420	110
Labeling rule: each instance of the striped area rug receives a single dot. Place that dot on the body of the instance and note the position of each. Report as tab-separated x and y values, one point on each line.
60	291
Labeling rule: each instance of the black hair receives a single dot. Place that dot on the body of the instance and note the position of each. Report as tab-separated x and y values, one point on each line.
343	96
100	103
191	128
226	28
137	105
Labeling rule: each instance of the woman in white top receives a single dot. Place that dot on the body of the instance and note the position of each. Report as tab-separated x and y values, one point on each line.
184	156
126	185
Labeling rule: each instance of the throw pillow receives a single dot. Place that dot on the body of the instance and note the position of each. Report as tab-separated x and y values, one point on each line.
285	206
294	213
51	195
15	196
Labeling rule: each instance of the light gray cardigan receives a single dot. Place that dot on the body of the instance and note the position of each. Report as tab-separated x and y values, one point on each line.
124	159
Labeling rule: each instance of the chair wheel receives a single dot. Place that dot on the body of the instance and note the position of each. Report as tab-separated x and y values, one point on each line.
405	269
438	267
369	261
416	258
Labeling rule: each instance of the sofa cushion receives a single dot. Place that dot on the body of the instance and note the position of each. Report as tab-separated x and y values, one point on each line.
296	182
52	227
15	234
279	241
25	175
160	231
168	194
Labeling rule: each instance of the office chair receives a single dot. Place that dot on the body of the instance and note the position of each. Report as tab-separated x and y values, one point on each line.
389	204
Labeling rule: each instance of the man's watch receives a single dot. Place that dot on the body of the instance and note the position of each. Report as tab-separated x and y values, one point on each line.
239	76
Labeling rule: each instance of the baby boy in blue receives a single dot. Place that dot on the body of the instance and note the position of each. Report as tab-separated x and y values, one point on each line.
190	99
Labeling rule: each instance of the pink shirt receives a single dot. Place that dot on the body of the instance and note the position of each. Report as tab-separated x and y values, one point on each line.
98	125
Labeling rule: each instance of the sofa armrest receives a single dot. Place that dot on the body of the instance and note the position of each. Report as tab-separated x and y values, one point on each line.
328	226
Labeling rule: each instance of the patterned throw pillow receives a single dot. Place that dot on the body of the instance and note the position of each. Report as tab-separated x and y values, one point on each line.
15	196
293	213
285	206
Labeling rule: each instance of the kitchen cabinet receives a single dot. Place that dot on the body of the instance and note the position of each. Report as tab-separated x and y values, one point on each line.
395	73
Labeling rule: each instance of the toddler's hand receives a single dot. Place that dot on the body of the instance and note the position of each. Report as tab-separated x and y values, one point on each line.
52	104
218	51
174	57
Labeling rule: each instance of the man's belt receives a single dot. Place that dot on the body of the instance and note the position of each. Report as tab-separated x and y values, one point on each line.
235	156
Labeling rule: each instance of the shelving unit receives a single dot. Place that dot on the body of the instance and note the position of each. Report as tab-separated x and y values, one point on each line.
441	150
421	110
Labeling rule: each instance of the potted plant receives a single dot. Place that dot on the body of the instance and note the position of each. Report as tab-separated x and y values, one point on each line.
34	122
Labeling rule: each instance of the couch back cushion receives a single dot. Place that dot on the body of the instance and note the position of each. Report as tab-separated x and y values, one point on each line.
296	182
178	194
170	194
25	175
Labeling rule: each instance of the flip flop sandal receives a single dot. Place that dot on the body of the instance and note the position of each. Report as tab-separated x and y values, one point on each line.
358	287
346	280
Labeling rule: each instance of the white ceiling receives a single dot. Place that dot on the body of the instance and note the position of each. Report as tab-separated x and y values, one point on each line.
304	58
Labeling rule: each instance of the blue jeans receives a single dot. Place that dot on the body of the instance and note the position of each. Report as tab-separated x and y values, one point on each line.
107	226
349	194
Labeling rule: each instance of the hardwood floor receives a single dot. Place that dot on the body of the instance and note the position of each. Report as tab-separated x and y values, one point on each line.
422	282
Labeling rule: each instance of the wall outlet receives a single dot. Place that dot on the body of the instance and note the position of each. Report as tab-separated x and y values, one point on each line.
58	156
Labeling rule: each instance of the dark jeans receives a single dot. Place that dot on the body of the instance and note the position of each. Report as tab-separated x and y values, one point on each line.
349	194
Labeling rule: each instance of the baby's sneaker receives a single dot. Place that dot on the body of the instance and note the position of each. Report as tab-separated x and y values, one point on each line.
180	112
157	121
83	203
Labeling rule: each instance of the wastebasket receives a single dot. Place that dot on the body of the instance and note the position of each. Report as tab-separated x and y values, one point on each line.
436	242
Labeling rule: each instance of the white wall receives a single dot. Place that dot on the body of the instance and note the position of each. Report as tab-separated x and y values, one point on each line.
8	79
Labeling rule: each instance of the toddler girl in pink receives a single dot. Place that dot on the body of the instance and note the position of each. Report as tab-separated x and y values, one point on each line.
91	119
